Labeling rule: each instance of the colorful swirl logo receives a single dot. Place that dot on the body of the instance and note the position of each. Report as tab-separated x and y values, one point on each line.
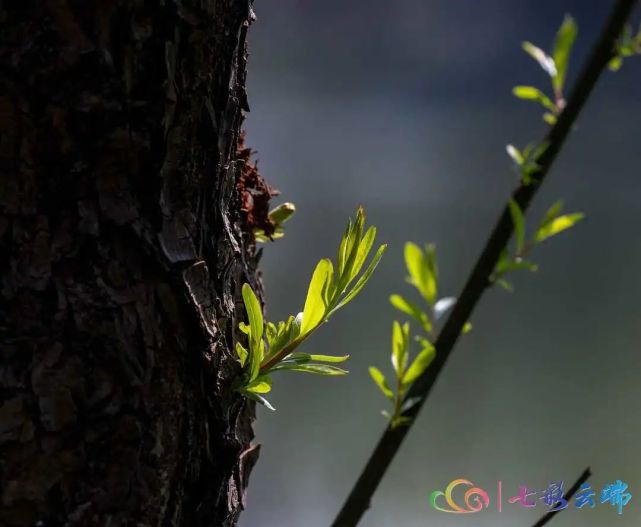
475	498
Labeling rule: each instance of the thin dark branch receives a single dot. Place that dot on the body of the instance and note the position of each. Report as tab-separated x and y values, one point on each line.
568	496
359	499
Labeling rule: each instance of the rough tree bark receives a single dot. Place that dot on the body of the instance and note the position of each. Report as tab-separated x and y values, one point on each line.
126	211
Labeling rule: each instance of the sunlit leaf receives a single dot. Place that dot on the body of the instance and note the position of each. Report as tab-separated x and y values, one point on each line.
314	310
562	48
318	369
363	251
257	352
419	365
242	353
531	93
282	213
379	379
557	225
254	313
342	249
553	212
351	251
302	358
329	287
411	309
260	385
545	61
421	266
400	343
615	63
549	118
360	283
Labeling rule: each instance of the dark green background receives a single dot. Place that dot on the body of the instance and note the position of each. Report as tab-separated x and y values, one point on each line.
405	107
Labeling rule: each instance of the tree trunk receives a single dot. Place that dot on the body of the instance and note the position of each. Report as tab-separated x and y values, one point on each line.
126	211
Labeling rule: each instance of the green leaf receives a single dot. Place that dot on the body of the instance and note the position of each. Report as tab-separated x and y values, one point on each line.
419	365
504	261
255	359
553	212
342	249
400	344
557	225
421	268
282	213
351	251
314	310
615	63
329	358
562	48
545	61
549	118
425	343
398	421
518	264
519	225
285	333
318	369
261	385
364	248
302	358
277	216
378	378
360	283
430	252
242	354
505	285
254	313
467	327
329	288
411	309
531	93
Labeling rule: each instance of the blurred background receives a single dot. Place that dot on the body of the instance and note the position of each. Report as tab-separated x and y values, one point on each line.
405	107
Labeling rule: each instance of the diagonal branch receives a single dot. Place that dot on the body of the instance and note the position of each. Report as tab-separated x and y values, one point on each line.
359	499
568	496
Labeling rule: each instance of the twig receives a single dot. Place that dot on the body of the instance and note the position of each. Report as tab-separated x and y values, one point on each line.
568	496
359	499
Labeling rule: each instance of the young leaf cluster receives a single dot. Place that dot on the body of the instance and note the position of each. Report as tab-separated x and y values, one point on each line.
628	45
552	223
423	275
556	66
272	347
278	217
526	160
404	372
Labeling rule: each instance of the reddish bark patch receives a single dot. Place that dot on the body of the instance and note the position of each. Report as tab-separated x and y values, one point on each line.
255	193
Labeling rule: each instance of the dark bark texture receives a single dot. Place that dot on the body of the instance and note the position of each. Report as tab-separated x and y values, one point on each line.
124	240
